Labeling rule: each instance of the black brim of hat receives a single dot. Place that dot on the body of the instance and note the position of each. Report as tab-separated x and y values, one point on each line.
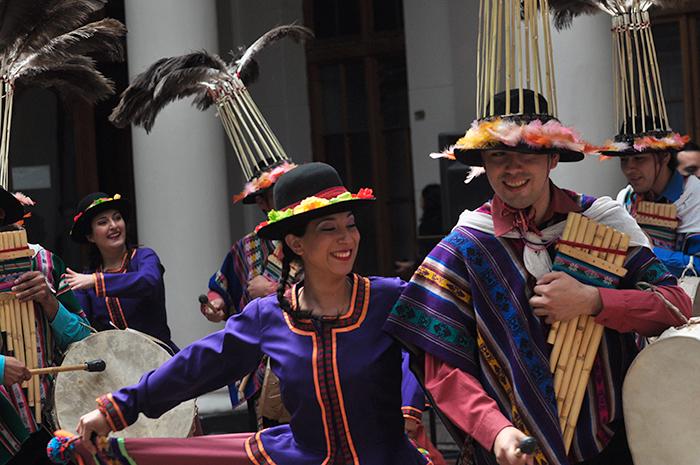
632	152
14	211
250	198
279	229
472	157
82	227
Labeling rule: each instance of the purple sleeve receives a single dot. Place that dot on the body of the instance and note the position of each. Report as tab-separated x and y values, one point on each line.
208	364
412	396
143	281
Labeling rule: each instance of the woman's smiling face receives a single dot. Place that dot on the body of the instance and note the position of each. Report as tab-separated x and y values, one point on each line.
329	244
108	230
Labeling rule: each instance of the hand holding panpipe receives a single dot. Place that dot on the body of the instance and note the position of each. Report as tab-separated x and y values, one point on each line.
91	366
593	254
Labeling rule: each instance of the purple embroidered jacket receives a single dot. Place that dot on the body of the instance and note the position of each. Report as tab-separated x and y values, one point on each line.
340	380
131	297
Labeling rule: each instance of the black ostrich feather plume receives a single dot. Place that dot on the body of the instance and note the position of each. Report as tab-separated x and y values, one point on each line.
191	75
566	10
48	43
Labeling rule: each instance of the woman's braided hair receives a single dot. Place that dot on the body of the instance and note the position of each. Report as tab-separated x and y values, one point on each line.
289	257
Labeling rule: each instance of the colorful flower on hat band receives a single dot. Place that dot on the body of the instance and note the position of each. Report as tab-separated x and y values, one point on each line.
648	143
94	204
264	181
485	134
315	202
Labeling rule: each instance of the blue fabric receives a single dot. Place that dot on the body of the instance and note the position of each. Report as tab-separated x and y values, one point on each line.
674	188
67	327
2	369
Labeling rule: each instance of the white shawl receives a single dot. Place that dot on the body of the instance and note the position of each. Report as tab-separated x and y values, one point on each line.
537	262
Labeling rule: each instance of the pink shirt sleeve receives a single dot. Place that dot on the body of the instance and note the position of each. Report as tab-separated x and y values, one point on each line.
463	400
642	312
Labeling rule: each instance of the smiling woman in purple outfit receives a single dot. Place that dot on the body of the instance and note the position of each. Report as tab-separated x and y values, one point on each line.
340	374
125	288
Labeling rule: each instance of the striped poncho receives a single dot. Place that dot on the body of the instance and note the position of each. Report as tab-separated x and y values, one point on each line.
17	420
467	305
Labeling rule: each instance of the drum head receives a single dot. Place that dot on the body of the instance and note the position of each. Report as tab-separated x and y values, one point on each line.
127	355
660	400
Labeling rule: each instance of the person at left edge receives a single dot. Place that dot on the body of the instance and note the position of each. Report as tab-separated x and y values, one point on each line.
124	288
59	322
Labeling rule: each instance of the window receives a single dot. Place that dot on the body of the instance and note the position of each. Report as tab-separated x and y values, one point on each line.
359	108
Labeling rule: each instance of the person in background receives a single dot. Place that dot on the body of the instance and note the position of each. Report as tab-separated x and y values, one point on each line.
59	322
124	287
689	160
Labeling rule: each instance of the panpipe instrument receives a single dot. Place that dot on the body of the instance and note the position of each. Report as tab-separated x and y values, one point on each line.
659	221
593	254
18	319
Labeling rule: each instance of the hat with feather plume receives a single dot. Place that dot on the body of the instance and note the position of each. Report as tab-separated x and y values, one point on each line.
50	43
640	107
213	81
516	104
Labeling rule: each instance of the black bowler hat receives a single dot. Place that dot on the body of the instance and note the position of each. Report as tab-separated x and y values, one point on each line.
91	205
13	209
263	179
644	135
532	130
309	191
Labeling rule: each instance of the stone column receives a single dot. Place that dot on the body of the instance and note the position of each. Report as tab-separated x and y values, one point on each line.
180	168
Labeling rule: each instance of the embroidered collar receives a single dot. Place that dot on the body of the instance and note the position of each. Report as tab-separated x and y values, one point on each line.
506	218
359	298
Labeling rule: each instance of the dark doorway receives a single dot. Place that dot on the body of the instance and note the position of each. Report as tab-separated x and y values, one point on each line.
358	94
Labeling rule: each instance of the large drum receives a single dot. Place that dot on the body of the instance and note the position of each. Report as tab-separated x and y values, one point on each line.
660	399
128	355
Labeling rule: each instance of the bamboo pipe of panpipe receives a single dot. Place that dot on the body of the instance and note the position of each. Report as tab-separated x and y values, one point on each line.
23	310
92	366
621	242
577	235
582	336
570	228
578	368
573	325
562	378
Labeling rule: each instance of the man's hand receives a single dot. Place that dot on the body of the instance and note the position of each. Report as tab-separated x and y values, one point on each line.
411	427
93	422
15	371
34	286
559	297
260	286
218	314
78	281
505	447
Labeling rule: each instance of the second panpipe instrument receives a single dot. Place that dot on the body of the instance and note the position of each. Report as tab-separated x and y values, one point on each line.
592	253
18	319
659	221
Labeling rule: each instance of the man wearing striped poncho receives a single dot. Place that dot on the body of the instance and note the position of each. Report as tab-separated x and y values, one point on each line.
478	310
